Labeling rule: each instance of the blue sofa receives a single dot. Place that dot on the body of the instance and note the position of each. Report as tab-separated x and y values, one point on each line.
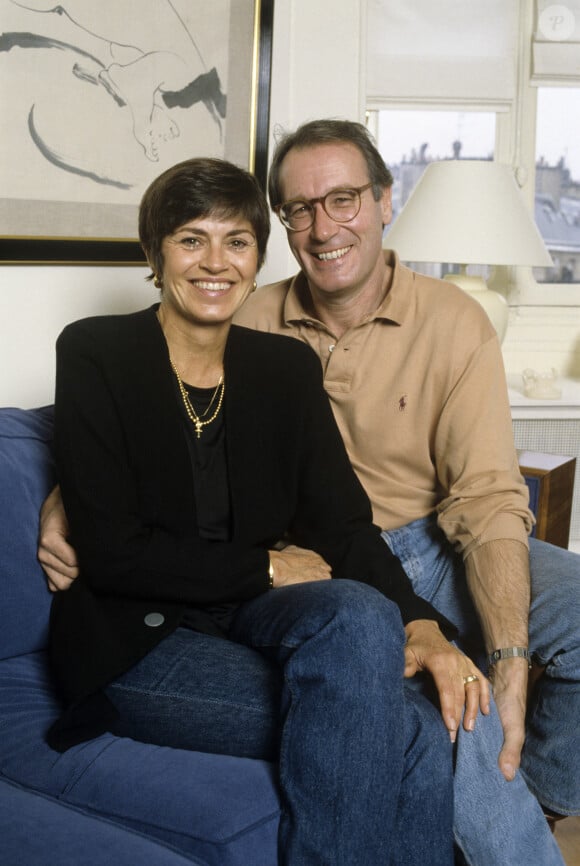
111	800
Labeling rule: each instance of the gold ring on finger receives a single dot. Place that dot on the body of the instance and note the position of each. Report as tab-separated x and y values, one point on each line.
470	679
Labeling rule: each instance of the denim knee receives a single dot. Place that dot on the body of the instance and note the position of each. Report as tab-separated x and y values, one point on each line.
349	618
365	617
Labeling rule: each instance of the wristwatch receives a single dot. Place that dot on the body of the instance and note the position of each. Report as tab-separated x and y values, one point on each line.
509	652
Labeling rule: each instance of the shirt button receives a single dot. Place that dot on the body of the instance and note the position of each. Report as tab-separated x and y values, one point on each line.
154	619
331	348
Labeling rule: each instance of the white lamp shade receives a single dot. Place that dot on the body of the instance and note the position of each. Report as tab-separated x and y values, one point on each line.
467	212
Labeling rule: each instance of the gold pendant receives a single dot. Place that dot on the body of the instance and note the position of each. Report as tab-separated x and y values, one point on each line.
198	429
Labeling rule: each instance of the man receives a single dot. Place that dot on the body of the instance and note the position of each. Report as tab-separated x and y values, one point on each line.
413	371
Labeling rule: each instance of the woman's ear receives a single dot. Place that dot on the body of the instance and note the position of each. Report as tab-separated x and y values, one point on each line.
157	278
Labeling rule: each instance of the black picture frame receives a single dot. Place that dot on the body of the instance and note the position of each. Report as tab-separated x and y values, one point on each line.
25	249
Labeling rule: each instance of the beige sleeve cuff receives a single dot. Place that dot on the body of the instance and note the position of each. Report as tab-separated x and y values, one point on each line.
508	527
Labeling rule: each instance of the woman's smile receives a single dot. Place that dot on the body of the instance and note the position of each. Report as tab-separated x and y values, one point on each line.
211	286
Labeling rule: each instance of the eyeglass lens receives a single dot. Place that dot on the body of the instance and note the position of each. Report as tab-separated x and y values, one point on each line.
341	205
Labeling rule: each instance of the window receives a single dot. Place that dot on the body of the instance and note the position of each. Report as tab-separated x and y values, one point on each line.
557	193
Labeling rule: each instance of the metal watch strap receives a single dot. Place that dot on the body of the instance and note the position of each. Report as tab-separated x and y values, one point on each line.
509	652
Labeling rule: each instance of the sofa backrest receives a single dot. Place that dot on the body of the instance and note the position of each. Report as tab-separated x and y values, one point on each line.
26	476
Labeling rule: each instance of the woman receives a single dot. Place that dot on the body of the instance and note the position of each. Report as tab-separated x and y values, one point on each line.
187	449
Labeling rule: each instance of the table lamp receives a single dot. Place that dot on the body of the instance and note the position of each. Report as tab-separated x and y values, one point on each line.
469	212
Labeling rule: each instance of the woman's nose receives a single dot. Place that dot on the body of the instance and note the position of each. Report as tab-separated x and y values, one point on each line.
214	258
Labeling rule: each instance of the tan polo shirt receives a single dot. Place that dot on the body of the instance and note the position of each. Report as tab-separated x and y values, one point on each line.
418	390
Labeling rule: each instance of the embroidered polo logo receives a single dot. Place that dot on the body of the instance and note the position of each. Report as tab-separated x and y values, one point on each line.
402	403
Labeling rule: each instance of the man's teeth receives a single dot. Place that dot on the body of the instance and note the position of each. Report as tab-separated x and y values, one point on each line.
335	254
212	287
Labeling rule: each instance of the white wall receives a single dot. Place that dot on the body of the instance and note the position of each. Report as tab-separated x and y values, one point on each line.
316	73
36	303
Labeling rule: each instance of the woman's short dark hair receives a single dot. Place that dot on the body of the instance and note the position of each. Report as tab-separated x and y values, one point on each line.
330	132
198	188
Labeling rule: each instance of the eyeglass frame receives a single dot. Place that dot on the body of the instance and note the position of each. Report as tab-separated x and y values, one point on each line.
321	200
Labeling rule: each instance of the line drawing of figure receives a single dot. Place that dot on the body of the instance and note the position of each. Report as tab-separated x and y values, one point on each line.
149	70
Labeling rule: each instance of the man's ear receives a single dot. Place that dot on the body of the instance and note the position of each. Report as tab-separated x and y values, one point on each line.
387	205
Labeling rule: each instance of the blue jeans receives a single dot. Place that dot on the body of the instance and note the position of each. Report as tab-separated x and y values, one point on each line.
495	821
313	676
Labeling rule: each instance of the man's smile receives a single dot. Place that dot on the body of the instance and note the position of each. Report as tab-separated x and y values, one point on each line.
333	254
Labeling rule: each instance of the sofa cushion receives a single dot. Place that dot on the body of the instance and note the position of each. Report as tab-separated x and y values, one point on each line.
221	809
26	476
38	831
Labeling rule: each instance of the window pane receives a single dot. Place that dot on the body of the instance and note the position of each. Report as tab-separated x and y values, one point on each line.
409	140
557	202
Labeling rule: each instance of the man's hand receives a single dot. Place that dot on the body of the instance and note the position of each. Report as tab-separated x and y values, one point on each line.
510	682
498	577
55	554
427	649
296	565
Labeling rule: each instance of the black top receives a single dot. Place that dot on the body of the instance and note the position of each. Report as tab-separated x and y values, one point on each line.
209	465
125	473
212	496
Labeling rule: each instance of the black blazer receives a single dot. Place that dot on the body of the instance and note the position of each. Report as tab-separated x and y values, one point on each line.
126	480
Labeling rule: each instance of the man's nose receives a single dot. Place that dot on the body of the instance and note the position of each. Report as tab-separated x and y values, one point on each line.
322	226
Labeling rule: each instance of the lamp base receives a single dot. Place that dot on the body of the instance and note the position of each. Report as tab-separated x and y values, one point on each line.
494	304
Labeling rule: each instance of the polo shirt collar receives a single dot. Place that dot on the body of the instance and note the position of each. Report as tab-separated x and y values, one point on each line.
393	308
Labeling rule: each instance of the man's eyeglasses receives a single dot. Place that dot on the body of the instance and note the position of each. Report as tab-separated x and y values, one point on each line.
341	205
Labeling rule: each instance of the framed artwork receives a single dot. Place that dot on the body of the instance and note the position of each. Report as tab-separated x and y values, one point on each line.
100	96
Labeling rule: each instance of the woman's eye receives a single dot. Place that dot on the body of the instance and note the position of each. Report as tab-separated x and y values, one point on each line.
238	244
190	243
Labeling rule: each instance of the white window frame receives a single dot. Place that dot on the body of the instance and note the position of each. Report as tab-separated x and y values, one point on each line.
516	145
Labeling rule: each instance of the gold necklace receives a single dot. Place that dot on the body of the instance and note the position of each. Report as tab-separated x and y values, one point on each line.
195	419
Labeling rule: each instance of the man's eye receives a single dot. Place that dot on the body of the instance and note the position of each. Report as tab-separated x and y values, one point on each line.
297	209
344	198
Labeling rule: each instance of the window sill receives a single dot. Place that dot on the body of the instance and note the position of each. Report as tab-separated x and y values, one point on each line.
522	407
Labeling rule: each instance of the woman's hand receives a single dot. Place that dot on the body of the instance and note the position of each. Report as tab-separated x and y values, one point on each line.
459	682
297	565
55	554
